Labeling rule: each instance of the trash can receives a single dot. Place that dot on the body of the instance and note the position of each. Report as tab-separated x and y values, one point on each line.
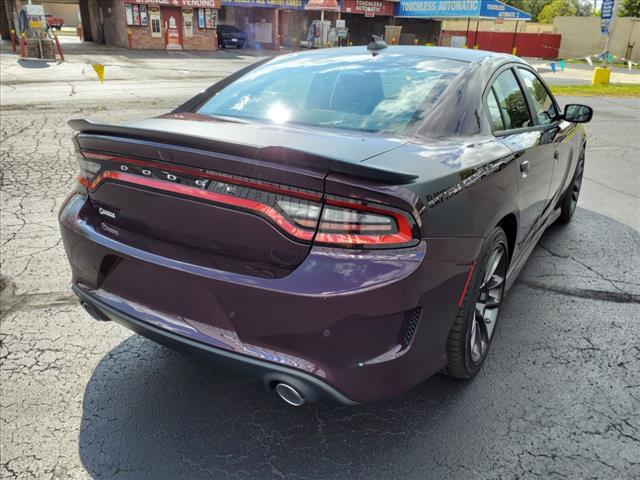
601	76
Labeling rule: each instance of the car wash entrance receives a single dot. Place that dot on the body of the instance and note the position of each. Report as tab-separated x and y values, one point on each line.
364	18
465	10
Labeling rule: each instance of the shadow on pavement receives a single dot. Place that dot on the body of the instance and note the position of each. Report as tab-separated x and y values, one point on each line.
91	48
150	413
26	63
153	413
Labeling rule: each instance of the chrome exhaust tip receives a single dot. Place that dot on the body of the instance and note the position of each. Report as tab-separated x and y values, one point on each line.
290	395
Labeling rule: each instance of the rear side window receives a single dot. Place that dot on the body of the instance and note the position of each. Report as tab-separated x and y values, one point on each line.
511	101
543	106
494	112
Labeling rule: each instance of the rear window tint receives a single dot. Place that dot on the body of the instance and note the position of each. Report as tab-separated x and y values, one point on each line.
358	92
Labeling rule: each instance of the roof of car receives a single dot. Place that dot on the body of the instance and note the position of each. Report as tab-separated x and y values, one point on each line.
450	53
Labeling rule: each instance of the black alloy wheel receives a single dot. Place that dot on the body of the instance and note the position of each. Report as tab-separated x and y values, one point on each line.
571	196
475	324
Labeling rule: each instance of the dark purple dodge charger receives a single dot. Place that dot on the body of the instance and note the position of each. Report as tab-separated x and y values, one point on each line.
341	223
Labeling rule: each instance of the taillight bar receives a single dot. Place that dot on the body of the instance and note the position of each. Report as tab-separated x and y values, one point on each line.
266	186
262	209
333	221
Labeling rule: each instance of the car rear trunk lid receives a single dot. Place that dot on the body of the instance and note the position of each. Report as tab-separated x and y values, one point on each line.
212	192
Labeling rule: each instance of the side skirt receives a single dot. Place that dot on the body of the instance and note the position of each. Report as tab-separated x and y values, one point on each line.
519	263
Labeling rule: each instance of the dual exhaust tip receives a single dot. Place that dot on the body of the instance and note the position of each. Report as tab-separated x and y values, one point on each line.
290	395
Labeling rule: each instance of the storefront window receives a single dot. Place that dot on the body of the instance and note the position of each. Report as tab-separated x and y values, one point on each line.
154	15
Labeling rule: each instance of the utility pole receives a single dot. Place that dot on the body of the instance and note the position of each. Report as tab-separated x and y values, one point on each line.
614	13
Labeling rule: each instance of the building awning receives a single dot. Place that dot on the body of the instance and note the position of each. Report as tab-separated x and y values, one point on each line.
283	4
326	5
475	9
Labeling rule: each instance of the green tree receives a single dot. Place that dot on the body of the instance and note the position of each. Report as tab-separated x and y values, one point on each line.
629	8
557	8
585	8
530	6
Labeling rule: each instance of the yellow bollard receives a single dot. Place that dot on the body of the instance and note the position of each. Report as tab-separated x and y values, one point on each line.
601	76
514	51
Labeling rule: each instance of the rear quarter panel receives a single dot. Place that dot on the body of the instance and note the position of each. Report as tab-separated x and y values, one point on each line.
466	185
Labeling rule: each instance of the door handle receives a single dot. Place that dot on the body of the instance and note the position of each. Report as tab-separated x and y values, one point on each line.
555	156
525	166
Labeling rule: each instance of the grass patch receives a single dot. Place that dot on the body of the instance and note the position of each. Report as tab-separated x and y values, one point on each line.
597	63
611	90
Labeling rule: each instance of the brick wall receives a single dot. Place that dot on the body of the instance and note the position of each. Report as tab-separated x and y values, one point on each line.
141	36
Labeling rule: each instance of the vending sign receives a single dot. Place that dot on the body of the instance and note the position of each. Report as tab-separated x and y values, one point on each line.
180	3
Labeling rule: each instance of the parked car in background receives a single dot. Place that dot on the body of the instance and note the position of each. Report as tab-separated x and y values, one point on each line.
343	223
54	22
230	36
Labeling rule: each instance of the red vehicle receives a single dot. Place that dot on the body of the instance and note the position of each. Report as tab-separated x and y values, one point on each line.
54	22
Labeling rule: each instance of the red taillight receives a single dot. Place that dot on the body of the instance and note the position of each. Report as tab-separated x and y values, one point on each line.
301	213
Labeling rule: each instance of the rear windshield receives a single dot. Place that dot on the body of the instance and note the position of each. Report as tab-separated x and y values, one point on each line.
385	93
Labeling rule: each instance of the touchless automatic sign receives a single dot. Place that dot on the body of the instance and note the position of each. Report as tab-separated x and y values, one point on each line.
459	9
440	8
368	8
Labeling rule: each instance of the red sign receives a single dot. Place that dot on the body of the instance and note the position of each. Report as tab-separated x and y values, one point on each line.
368	8
180	3
328	5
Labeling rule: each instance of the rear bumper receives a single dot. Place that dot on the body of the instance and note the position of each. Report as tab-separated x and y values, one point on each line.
312	388
334	326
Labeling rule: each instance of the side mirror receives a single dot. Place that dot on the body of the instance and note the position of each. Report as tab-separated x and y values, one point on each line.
576	113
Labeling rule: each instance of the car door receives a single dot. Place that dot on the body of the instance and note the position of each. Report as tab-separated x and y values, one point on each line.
512	121
553	141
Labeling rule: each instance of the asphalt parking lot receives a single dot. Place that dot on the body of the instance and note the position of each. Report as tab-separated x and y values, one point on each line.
559	396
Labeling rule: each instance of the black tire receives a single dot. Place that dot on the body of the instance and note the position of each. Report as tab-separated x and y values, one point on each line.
571	196
463	359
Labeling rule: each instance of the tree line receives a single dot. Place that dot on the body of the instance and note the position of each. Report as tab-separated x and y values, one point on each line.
544	11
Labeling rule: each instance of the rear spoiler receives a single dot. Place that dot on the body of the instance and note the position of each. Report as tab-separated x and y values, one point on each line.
279	155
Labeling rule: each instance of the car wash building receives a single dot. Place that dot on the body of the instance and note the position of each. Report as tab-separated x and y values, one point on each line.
364	18
267	23
159	24
411	14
